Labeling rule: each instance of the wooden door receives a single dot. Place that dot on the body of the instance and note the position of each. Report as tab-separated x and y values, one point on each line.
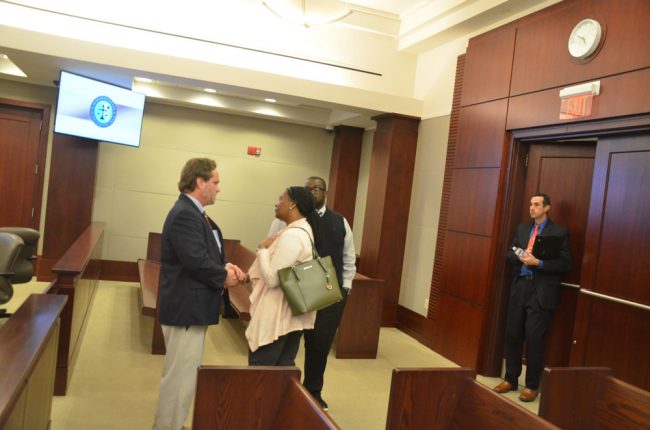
612	326
564	171
21	164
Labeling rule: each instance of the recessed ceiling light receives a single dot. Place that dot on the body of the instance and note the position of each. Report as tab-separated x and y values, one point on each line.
209	90
9	68
145	80
270	100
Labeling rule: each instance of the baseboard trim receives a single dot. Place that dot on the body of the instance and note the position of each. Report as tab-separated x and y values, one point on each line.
415	325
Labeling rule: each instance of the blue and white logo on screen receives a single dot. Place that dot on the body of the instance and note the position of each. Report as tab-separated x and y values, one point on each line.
103	111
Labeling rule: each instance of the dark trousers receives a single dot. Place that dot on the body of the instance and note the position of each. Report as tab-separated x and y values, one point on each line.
528	322
318	343
282	352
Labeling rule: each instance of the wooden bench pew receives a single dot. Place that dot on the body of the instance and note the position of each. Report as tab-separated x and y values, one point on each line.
257	397
452	399
359	330
236	299
591	398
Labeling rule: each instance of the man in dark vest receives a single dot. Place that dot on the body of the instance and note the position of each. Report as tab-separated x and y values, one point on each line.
337	242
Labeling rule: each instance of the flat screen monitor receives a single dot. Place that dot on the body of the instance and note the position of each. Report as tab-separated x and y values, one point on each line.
96	110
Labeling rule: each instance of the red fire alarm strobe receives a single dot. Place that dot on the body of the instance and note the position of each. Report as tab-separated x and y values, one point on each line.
254	150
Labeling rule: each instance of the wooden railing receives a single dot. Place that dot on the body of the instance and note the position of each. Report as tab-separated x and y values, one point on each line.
28	350
77	275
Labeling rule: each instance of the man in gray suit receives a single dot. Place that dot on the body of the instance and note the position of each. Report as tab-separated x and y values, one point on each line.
194	272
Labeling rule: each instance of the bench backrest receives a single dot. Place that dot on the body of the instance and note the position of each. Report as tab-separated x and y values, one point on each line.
238	254
259	397
591	398
447	398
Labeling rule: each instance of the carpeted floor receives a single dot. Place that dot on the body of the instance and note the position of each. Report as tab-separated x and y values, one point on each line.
115	379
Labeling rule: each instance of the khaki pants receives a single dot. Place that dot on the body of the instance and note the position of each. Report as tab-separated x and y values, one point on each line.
178	383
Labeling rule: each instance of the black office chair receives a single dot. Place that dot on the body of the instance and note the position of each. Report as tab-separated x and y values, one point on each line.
24	266
11	246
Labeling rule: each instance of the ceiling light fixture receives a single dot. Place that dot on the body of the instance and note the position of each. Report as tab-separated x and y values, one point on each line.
270	100
9	68
209	90
309	12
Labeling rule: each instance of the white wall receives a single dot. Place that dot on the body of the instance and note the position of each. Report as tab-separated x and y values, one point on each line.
135	188
423	214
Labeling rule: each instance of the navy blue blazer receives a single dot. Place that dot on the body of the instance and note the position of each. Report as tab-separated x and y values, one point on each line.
192	269
547	279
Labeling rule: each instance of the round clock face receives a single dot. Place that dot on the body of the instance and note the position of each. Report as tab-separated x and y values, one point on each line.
584	38
102	111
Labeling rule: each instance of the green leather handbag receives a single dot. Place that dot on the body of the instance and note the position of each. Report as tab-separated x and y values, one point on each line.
311	285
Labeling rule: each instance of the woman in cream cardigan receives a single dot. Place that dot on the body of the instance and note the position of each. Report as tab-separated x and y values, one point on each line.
274	333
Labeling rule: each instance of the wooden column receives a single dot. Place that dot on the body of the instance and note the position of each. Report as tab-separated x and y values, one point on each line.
344	170
71	191
388	203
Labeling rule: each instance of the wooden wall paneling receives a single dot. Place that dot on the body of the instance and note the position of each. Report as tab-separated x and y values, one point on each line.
480	140
436	277
623	94
70	192
541	58
473	200
387	207
417	326
459	330
488	65
465	266
344	170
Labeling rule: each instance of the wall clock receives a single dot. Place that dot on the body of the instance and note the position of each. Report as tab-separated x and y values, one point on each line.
585	38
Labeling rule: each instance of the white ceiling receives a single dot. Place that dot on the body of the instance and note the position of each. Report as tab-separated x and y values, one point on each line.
400	28
397	7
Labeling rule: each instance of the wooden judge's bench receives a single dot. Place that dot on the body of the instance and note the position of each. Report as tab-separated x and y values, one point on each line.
358	335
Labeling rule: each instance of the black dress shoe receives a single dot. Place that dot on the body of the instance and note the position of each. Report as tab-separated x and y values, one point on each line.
323	403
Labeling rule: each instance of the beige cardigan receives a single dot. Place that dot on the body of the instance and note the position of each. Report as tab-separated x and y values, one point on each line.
271	316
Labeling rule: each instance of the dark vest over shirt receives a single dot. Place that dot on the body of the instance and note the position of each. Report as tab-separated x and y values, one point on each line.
332	239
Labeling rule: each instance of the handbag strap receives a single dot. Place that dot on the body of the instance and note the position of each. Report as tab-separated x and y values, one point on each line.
314	252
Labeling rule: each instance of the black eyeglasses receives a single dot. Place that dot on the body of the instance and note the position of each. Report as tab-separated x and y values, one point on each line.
316	190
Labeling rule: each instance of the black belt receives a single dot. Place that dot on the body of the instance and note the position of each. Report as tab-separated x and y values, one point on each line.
526	277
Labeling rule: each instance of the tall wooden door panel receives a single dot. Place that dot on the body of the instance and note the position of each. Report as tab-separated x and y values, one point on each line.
612	325
19	151
563	171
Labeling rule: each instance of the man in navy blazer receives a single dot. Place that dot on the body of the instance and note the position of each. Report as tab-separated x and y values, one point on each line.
193	274
534	295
